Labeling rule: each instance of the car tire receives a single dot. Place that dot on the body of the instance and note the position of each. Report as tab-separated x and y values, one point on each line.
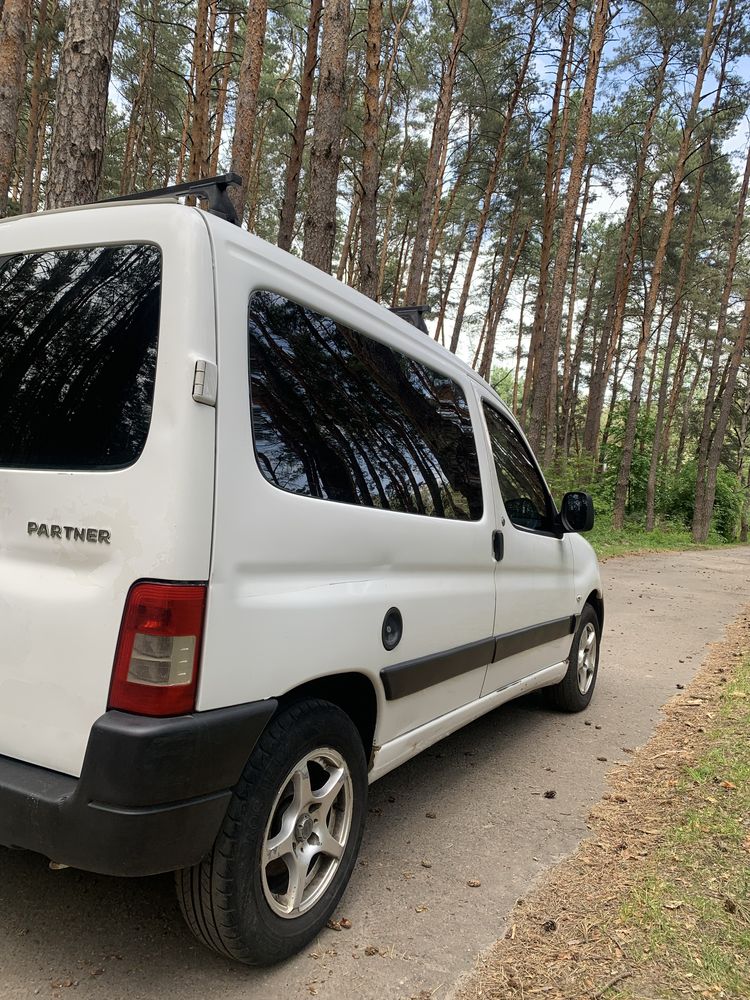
575	690
286	850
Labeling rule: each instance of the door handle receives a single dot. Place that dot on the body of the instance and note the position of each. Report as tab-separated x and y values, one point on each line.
498	545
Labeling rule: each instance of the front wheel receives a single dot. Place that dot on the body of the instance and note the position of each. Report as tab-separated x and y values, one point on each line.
289	841
575	690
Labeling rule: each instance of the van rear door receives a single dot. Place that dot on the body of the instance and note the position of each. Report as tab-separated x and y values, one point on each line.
106	461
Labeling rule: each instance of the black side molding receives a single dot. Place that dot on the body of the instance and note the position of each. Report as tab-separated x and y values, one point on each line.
406	678
411	676
537	635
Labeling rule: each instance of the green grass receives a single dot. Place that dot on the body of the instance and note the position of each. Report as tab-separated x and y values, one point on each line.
633	538
692	915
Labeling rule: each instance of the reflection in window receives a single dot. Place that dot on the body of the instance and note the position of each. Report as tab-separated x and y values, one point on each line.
342	417
78	339
523	491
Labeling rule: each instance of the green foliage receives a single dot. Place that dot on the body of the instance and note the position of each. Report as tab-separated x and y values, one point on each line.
633	537
501	381
678	500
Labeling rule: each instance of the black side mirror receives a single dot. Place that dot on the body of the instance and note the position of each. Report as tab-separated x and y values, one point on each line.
577	512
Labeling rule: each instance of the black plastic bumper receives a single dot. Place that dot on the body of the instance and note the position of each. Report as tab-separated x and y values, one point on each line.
151	797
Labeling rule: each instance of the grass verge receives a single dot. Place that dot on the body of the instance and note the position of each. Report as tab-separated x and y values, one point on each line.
655	905
634	538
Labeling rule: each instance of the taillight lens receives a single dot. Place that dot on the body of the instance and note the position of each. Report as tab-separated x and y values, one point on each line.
156	663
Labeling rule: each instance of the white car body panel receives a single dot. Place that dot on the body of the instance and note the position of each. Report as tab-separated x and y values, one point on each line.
61	602
298	587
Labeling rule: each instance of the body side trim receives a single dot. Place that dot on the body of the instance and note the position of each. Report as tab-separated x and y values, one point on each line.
412	676
536	635
401	749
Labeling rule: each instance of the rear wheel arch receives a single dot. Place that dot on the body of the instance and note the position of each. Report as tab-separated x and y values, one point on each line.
354	693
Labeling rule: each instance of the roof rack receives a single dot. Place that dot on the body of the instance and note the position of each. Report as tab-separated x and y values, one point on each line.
212	189
414	315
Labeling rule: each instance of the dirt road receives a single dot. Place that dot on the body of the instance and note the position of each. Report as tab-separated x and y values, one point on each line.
70	934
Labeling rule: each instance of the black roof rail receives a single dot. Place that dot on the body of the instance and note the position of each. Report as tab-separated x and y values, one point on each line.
414	315
213	189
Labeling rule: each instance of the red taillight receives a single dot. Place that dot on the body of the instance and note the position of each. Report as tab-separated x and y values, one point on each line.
156	663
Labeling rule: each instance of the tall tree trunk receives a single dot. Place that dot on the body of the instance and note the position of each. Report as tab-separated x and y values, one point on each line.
519	344
687	408
568	345
654	366
41	145
549	202
395	39
623	477
708	451
247	101
432	241
603	356
368	221
570	390
494	279
489	188
402	255
201	105
445	297
677	384
221	101
704	512
320	219
395	179
439	140
354	209
443	213
543	381
253	182
661	441
294	164
498	300
187	116
15	26
745	475
81	105
137	120
617	377
33	137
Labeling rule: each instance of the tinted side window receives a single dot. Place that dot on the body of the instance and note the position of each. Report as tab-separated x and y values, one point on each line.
523	491
78	339
342	417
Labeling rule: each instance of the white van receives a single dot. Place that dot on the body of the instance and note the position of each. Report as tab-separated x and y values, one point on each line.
261	541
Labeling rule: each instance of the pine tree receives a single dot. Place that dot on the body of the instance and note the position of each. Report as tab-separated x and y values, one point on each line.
81	104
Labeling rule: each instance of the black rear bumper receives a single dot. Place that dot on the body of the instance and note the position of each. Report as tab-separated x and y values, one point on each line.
151	797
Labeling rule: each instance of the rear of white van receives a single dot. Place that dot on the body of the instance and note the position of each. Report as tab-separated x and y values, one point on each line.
106	501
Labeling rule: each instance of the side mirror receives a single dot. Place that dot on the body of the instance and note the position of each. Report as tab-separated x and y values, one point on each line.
577	512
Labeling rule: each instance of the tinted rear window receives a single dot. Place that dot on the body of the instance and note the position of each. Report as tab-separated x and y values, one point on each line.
78	339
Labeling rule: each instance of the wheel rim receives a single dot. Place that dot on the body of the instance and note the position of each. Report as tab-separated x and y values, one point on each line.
586	658
307	833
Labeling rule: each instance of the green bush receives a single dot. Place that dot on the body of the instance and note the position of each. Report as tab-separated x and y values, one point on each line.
728	504
678	500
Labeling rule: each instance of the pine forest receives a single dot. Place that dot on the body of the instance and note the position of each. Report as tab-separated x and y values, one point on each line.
563	183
